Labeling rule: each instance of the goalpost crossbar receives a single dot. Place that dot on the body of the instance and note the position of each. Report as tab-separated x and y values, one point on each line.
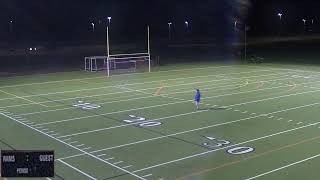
132	54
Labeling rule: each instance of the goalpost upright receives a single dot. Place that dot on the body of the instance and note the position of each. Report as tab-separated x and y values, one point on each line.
149	48
108	52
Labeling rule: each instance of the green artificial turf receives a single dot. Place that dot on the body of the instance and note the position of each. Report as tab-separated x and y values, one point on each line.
145	125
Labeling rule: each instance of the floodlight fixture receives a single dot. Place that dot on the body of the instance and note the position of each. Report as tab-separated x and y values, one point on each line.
187	24
109	20
304	22
169	25
169	29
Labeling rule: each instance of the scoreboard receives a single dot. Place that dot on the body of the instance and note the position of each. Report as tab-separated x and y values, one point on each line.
27	163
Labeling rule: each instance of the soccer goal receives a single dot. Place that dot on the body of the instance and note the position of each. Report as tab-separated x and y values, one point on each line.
120	63
95	63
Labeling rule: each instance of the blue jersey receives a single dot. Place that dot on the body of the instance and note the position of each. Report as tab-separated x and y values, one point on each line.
197	97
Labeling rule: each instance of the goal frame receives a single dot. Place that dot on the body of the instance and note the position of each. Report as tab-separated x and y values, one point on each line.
111	56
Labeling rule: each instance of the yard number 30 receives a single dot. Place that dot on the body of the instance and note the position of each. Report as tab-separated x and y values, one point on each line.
215	143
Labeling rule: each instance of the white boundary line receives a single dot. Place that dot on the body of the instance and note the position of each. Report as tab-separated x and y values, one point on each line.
193	130
89	154
226	147
150	82
283	167
76	169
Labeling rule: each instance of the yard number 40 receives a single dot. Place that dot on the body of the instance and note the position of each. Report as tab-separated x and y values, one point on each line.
141	121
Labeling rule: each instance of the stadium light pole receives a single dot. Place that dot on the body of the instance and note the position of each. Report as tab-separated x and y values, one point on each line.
245	41
93	26
235	25
187	28
10	26
109	20
169	29
304	24
280	24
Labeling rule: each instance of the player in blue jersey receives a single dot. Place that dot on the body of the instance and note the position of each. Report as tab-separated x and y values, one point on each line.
197	98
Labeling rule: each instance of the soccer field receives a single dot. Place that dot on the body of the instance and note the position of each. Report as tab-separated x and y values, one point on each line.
254	122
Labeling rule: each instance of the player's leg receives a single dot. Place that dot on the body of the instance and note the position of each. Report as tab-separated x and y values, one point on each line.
197	104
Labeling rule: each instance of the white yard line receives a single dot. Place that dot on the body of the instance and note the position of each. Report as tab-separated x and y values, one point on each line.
125	125
87	148
147	175
73	142
140	83
108	159
101	155
123	92
167	104
137	98
284	167
89	154
125	167
194	130
76	169
119	162
140	91
295	70
183	114
77	79
165	71
226	147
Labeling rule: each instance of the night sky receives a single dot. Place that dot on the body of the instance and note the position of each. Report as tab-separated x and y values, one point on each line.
66	20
